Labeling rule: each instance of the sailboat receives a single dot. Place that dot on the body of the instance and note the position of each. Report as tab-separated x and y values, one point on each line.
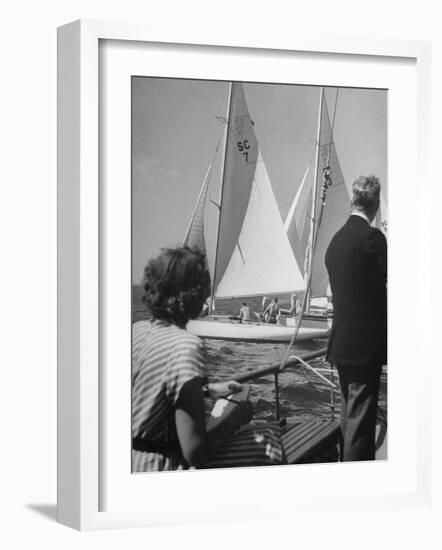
253	255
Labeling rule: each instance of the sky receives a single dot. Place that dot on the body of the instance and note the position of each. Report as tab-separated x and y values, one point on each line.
175	130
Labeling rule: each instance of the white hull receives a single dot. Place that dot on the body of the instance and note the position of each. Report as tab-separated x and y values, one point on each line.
251	332
310	321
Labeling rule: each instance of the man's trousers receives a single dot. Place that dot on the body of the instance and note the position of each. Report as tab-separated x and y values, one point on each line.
359	399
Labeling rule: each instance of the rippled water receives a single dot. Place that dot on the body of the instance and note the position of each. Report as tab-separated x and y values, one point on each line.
301	392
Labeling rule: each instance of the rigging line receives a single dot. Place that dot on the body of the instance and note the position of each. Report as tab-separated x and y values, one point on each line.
240	253
332	126
316	371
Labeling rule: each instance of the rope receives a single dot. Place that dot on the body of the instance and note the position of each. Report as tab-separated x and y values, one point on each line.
306	365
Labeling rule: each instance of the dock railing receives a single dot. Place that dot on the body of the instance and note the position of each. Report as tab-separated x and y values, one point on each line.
295	361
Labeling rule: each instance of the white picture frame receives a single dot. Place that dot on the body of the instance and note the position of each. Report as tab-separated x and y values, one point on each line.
79	295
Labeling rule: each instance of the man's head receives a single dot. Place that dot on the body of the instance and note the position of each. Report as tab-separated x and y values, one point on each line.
366	192
243	304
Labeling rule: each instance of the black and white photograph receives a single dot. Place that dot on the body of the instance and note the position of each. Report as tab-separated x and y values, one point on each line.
259	274
221	232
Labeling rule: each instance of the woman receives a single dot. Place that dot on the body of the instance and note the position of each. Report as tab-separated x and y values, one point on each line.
168	371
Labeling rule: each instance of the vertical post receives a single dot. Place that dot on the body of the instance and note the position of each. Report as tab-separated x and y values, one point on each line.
276	396
314	195
220	210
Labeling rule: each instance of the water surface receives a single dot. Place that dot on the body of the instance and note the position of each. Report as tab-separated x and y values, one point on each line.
302	393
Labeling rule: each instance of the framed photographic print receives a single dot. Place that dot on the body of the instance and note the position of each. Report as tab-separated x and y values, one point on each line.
210	300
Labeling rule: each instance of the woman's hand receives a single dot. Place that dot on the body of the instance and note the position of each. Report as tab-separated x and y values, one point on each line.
222	389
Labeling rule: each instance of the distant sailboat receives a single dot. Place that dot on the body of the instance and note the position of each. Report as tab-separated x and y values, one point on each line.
253	254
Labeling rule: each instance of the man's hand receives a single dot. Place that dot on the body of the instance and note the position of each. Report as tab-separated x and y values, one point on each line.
222	389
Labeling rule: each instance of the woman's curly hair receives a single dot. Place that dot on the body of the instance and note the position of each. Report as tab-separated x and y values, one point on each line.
176	284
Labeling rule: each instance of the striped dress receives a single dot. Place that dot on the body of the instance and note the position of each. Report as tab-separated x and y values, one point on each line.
164	358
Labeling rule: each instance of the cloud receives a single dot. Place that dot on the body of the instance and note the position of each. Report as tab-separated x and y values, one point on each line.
146	166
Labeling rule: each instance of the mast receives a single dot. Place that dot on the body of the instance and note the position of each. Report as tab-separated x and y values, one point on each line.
314	196
223	168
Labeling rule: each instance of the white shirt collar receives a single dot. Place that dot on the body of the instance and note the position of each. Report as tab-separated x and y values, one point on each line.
361	215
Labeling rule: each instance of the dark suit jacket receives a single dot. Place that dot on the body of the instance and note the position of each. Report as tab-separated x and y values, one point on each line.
356	261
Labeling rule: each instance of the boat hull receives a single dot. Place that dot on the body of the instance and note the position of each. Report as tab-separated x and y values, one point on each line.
251	332
310	321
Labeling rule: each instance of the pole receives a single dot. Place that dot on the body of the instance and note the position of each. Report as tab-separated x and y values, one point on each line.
291	362
276	397
223	169
314	197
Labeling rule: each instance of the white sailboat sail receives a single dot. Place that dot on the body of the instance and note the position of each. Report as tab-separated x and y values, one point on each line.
337	207
297	223
263	260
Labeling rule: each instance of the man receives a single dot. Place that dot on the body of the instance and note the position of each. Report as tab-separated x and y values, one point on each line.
293	305
271	314
244	313
356	261
263	306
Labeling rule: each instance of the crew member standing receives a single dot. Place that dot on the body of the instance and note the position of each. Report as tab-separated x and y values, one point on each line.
271	314
356	261
293	305
244	313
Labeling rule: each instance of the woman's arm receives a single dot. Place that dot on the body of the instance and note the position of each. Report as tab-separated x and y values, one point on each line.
196	444
223	389
191	424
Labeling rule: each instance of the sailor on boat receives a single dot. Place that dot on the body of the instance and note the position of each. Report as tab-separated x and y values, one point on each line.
293	304
263	305
244	313
271	313
356	261
169	382
206	308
